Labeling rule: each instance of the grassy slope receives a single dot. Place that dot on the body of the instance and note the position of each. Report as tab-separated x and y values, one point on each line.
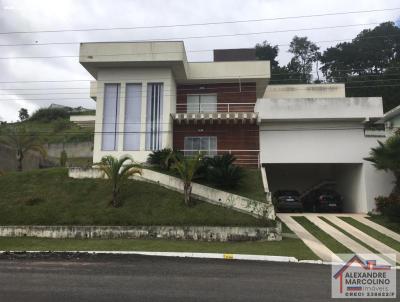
50	133
49	197
286	247
250	187
334	245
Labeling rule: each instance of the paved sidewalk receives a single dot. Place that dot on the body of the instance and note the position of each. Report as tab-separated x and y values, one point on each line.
313	243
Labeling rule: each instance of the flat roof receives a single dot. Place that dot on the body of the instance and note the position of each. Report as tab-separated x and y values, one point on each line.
170	54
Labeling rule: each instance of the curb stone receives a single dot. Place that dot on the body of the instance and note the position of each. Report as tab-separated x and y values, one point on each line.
187	255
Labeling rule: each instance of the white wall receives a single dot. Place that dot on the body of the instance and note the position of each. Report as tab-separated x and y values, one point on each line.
318	108
134	75
305	91
312	142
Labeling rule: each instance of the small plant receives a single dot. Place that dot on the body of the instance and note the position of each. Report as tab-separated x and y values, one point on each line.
223	173
161	158
63	158
118	171
186	167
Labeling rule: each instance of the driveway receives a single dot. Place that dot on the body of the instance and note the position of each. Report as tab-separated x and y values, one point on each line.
339	230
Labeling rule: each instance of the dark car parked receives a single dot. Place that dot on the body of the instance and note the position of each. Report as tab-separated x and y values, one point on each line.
323	200
288	201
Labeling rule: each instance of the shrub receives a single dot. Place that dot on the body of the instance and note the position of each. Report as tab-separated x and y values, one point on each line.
49	114
61	124
161	158
63	158
389	206
222	172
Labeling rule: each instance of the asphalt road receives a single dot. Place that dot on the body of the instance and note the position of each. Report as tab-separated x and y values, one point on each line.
140	278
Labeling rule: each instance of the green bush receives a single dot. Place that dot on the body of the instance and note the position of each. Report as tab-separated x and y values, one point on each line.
63	158
389	206
161	158
61	125
222	172
50	114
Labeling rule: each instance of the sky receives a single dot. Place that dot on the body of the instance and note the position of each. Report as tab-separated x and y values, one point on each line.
39	15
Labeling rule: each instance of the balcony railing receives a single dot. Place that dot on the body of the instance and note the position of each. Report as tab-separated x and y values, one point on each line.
214	107
243	157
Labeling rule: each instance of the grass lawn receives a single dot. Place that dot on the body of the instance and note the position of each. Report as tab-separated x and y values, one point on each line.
373	233
50	197
334	245
384	221
251	185
287	247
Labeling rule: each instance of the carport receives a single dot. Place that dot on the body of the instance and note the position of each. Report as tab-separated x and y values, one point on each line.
346	179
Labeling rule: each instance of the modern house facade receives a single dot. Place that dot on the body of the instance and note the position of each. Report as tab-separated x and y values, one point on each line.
150	97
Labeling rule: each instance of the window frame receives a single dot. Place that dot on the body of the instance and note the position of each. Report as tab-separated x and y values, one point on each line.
199	109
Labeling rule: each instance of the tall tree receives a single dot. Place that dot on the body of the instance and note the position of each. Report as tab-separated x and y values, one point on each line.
305	54
369	64
23	114
279	74
265	51
22	141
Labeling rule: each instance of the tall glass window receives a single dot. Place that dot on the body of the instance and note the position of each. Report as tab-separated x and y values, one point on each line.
154	115
202	103
109	140
133	110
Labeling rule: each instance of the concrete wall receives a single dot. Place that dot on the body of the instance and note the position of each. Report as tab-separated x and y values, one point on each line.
323	143
8	162
314	142
134	75
201	233
82	149
305	91
207	194
318	108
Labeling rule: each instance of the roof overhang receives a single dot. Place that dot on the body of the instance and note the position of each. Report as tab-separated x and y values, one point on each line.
172	55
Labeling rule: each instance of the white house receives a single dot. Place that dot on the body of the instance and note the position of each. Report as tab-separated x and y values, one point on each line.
150	97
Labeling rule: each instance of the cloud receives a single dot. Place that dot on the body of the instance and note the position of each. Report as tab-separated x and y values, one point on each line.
20	15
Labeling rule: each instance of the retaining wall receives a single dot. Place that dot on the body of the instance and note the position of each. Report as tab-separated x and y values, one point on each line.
200	233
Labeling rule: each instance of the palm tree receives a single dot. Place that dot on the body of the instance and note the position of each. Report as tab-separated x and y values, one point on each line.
187	168
118	171
22	141
387	157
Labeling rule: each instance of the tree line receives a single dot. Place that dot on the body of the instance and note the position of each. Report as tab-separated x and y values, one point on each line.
369	64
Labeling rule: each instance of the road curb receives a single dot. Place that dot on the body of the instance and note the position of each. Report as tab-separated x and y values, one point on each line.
247	257
225	256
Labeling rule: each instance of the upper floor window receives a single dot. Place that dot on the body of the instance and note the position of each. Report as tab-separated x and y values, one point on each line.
154	116
202	103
